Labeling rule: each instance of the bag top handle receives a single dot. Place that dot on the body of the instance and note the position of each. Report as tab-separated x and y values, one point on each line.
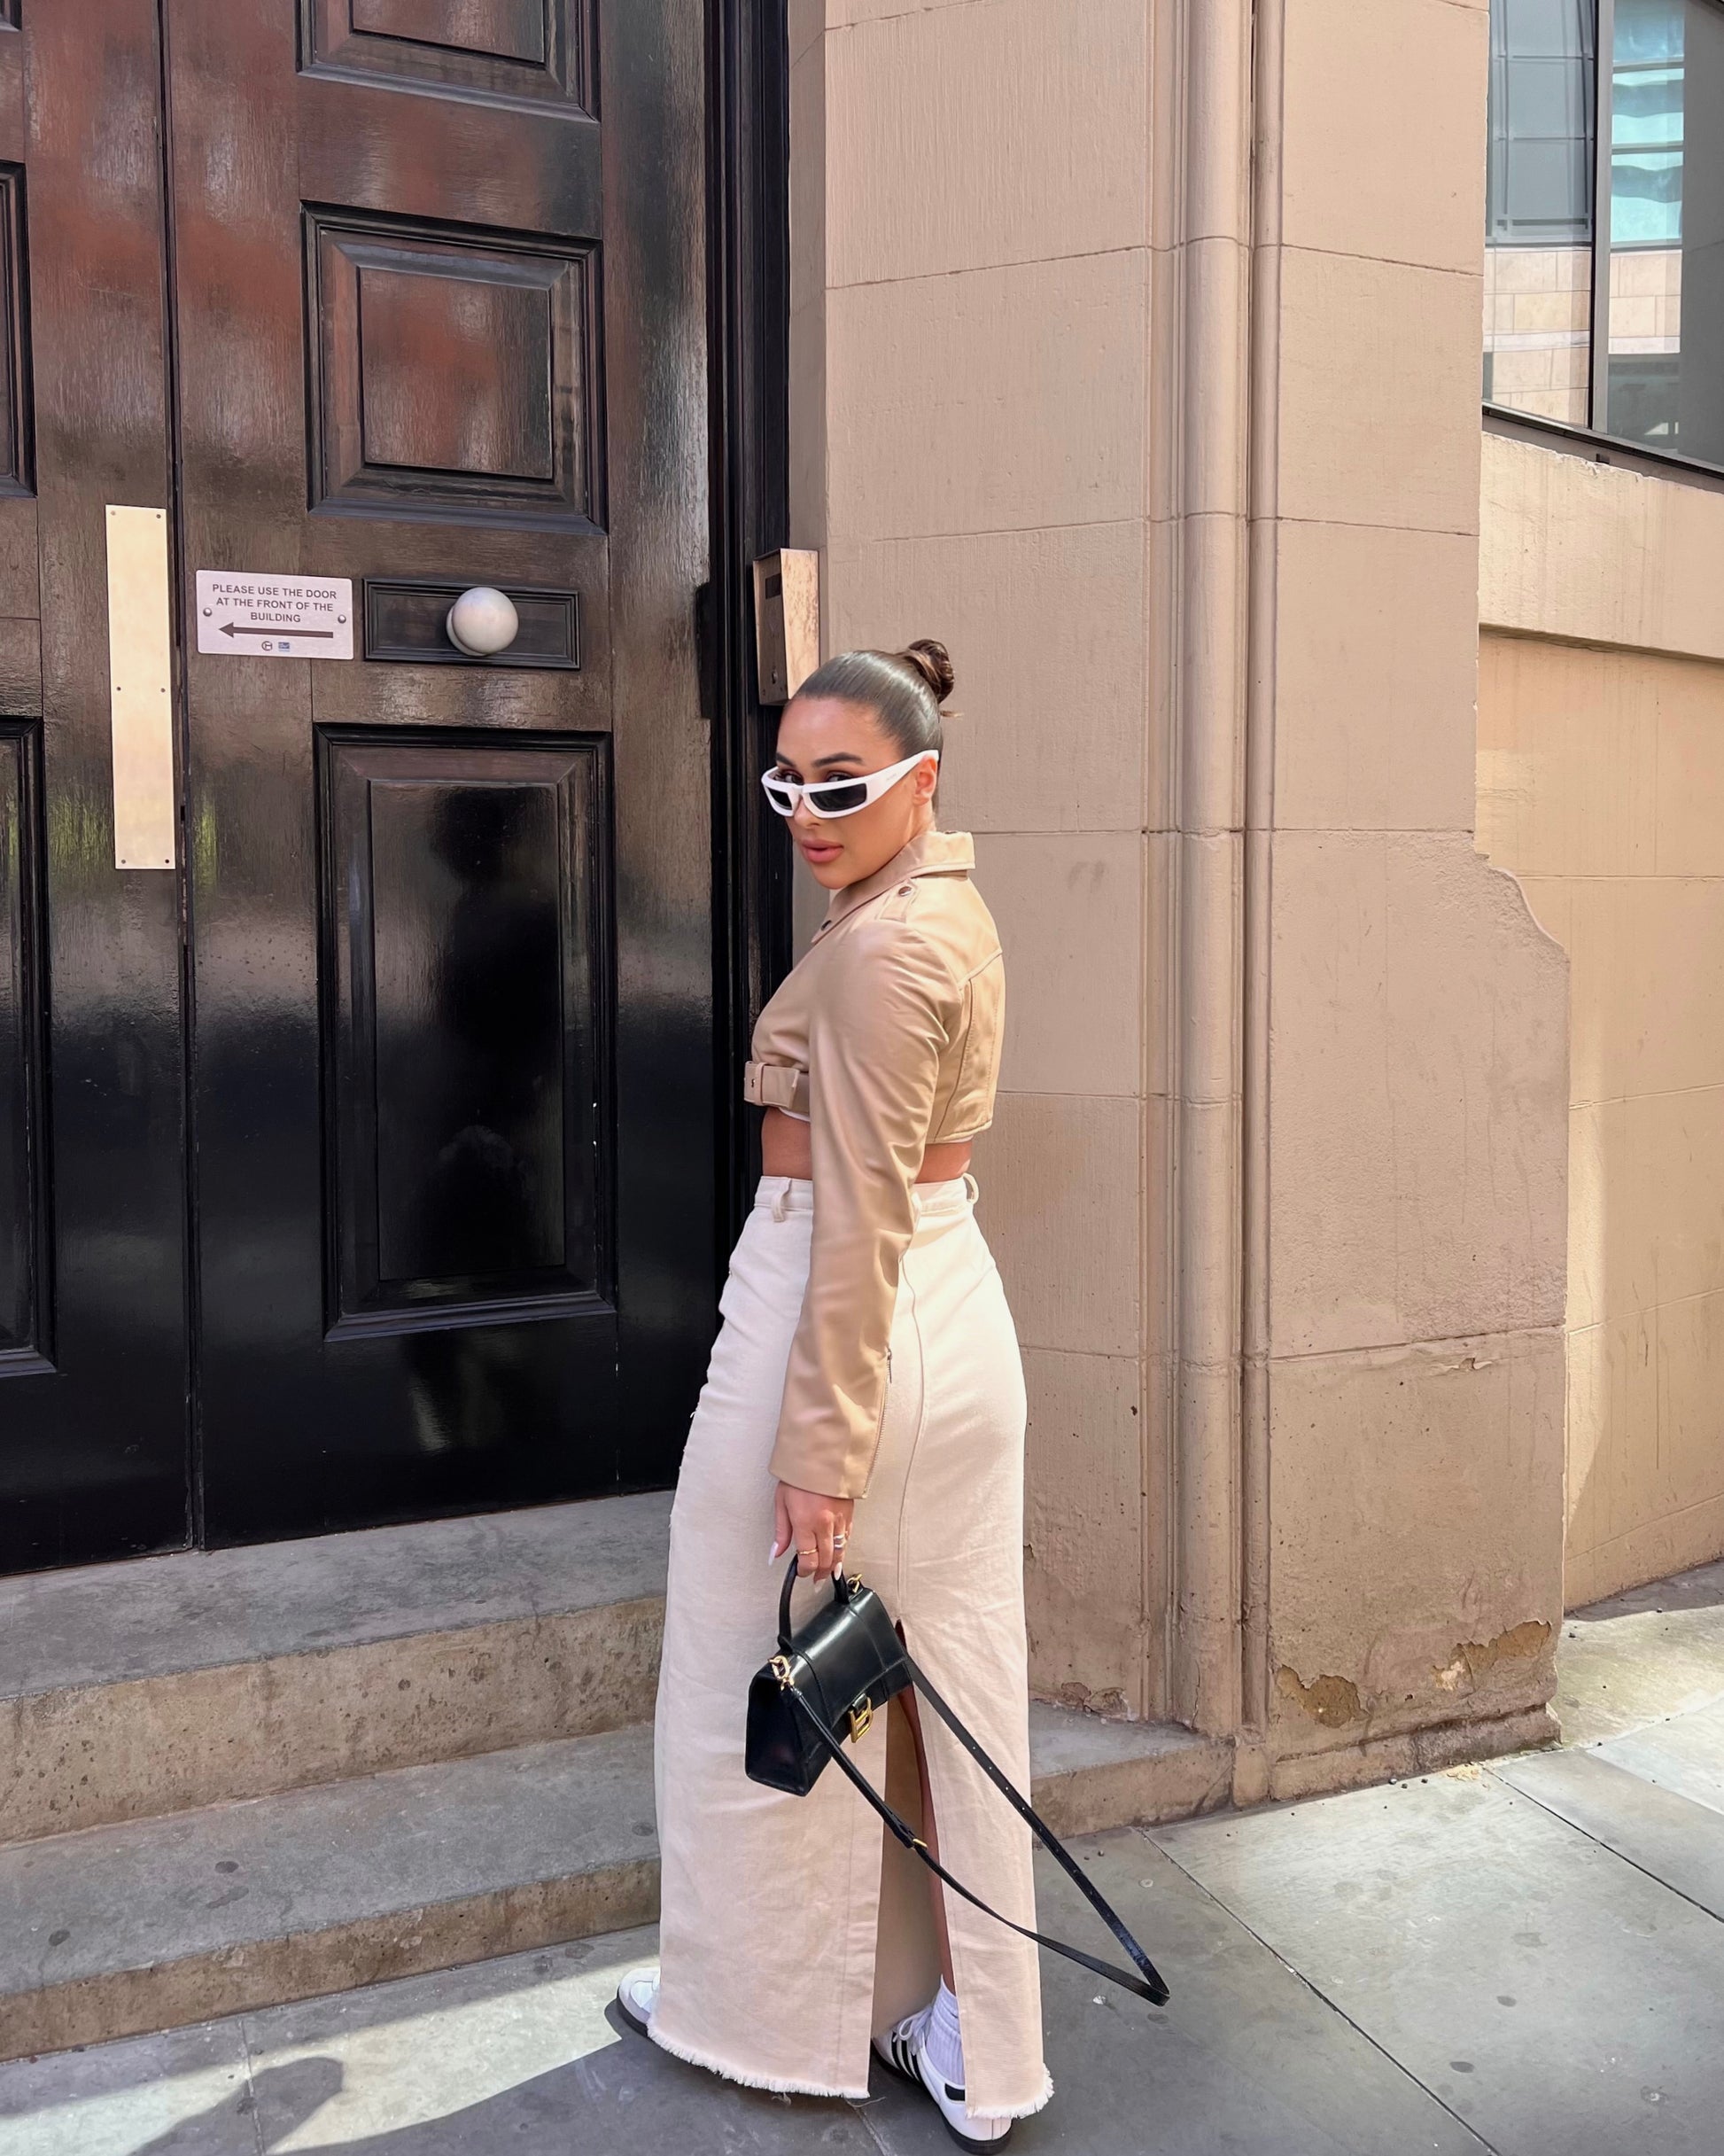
841	1592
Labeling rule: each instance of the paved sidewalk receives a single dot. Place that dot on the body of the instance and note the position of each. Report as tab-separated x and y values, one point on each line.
1526	1958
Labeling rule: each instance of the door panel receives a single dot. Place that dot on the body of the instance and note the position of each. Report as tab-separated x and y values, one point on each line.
530	49
93	1410
453	371
450	922
468	1039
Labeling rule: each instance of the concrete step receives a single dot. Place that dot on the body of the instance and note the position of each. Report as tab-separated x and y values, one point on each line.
159	1922
131	1691
1089	1774
155	1923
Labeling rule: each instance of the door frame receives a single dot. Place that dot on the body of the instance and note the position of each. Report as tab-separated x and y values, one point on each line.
748	361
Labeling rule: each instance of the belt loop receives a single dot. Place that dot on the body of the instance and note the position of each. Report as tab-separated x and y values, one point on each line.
972	1186
781	1203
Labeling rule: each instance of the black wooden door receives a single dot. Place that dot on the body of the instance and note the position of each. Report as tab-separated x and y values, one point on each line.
429	314
438	280
93	1381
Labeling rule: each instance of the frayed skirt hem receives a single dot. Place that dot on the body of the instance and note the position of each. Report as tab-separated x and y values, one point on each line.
691	2057
1014	2110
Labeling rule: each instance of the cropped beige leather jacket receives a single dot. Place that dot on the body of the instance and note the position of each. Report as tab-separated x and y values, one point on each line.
886	1037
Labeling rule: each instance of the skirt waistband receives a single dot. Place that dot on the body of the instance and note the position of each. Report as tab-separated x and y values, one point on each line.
788	1193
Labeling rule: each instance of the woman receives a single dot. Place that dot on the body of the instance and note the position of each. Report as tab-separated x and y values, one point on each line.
864	1407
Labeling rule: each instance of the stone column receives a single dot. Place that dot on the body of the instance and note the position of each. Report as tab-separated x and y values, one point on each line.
1407	1294
1136	352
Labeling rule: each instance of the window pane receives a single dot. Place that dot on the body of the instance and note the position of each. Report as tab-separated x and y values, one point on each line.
1538	258
1665	382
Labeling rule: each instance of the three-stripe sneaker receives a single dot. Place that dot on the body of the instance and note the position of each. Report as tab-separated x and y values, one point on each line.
636	1997
903	2049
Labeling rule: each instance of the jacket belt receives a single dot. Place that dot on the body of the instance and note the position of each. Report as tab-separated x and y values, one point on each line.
776	1086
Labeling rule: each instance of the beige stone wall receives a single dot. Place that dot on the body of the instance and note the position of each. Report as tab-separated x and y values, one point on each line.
970	346
1601	782
1189	481
1416	1066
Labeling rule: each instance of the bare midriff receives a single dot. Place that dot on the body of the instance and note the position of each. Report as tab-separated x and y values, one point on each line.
787	1148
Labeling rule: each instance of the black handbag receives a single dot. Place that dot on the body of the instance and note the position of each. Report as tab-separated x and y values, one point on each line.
835	1675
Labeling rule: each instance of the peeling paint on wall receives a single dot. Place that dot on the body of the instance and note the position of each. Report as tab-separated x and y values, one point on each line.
1333	1700
1473	1657
1111	1703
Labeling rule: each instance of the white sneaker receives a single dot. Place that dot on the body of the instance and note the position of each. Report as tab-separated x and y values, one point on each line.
636	1997
904	2052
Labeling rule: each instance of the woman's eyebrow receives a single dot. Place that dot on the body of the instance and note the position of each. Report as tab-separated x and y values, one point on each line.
838	755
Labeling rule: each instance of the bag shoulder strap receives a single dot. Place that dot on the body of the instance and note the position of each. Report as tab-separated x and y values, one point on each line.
1148	1985
1051	1842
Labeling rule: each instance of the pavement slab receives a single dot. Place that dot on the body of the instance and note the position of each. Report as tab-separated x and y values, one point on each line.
1640	1656
528	2055
1244	2056
1684	1754
1549	1992
187	2090
1677	1842
1522	1960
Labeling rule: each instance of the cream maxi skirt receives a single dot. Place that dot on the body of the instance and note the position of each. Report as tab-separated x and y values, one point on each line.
793	1928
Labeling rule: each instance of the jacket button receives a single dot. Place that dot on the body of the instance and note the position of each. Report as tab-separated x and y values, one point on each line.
904	891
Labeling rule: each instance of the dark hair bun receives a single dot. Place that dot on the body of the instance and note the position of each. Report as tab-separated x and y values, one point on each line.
932	662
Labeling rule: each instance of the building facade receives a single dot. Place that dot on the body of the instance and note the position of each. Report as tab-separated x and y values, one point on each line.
1599	716
1342	766
1136	349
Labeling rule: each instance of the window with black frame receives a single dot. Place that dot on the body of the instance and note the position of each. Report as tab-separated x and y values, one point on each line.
1639	281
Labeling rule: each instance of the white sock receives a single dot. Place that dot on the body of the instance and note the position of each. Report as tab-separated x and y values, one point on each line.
941	2039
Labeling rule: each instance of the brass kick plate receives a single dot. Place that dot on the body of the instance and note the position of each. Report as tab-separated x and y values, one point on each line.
140	689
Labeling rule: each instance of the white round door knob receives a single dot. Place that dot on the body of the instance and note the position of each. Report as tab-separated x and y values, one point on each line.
483	622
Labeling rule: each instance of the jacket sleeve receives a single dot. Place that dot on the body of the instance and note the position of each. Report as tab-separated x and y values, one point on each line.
876	1035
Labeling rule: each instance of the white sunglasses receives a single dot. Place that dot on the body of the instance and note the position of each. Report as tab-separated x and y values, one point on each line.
830	797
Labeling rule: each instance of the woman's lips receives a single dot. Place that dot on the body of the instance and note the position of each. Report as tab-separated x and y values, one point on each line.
816	852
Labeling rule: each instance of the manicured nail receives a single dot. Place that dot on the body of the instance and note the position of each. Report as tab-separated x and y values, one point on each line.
772	1554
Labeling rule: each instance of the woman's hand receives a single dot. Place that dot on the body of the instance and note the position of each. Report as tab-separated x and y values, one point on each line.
805	1521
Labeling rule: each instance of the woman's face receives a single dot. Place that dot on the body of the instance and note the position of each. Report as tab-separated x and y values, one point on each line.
822	738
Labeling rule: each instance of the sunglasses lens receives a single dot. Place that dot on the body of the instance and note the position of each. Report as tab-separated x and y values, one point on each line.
785	803
839	798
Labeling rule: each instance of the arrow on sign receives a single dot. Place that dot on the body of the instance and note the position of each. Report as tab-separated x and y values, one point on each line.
231	628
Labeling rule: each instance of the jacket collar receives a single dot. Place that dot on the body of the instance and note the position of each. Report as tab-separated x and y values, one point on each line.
932	853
